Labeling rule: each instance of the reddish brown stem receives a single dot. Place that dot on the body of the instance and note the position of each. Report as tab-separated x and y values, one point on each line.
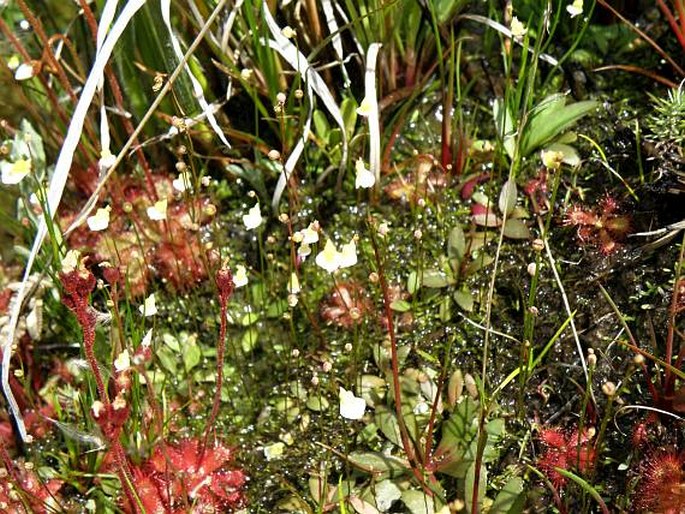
37	26
397	393
224	282
52	97
677	30
669	378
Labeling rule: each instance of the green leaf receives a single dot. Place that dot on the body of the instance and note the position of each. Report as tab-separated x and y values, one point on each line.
348	108
249	319
168	358
400	306
436	279
504	122
515	228
379	464
321	126
456	243
510	499
385	493
418	502
317	403
464	299
171	342
191	354
413	282
249	340
469	486
458	433
507	197
549	119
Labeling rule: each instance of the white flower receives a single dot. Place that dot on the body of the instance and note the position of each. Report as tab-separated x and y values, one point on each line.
304	250
253	218
364	178
147	339
575	9
329	257
348	255
13	62
14	172
183	182
552	159
274	451
518	29
365	108
24	71
100	220
351	406
294	284
123	362
158	211
97	408
240	276
288	32
310	235
149	308
70	261
107	159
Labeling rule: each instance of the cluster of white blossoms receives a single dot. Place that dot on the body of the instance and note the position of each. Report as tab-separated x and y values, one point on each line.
332	260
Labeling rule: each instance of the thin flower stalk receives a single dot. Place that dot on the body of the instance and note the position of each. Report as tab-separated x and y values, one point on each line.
225	284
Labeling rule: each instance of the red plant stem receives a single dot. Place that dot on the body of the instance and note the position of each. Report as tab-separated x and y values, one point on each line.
57	67
52	97
428	446
88	327
124	474
37	26
677	30
221	347
669	378
680	7
643	35
224	281
408	449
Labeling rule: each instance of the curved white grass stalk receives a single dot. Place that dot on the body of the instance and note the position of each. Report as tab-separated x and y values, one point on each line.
103	28
312	80
647	408
228	27
106	20
297	151
335	34
505	31
371	98
56	188
197	87
346	19
90	204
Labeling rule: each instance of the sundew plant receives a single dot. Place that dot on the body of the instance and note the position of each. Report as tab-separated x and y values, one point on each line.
370	256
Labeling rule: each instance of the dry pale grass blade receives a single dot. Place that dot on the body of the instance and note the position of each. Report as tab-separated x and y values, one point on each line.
104	25
90	204
506	32
371	99
312	80
334	29
56	189
197	87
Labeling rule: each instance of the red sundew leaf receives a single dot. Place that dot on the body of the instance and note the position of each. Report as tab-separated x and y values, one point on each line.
553	438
